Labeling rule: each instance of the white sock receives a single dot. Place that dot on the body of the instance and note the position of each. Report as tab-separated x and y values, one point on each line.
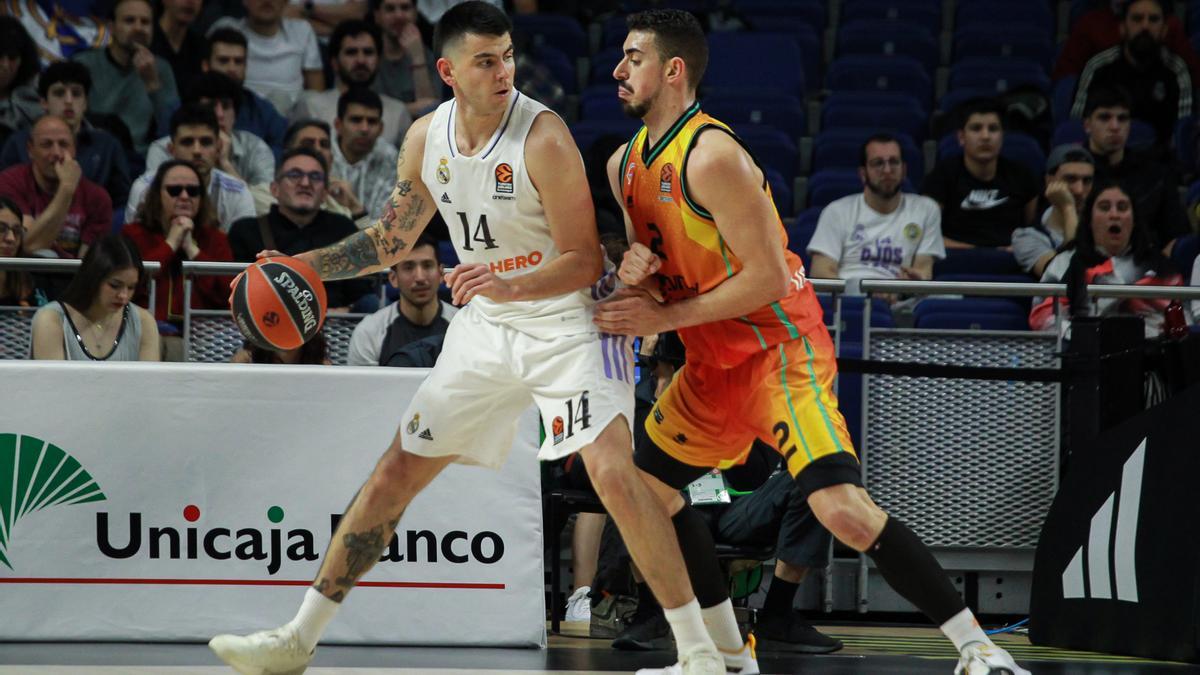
687	624
315	613
963	629
723	629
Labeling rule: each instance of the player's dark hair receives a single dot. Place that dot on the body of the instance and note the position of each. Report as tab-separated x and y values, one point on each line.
68	72
1107	97
676	34
475	17
194	114
875	138
351	28
427	239
360	95
108	254
300	152
225	36
979	106
1122	8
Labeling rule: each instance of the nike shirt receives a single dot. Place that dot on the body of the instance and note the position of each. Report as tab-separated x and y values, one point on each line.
981	213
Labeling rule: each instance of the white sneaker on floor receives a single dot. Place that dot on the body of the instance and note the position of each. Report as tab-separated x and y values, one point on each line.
268	652
699	661
579	605
978	658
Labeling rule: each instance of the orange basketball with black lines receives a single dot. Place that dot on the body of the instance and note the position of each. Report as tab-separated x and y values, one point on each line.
279	303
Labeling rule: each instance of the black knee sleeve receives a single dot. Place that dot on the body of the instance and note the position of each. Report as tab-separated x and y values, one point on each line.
909	568
700	556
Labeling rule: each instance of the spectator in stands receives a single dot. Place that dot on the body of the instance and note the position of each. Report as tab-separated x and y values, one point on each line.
325	15
297	223
195	138
882	233
175	224
339	196
63	92
983	196
242	155
1154	186
407	70
1195	304
177	41
64	211
18	65
128	80
1099	29
360	156
1158	79
226	54
315	352
416	315
1112	247
354	48
1070	171
16	288
283	56
95	319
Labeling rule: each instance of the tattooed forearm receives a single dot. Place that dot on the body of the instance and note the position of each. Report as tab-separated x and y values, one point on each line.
348	258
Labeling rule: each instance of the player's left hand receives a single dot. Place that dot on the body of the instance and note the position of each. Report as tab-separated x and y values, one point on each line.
469	280
631	311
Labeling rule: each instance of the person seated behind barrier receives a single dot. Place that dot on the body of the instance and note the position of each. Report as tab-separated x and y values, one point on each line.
417	314
882	233
95	319
1111	247
339	195
1070	172
16	288
175	224
314	352
983	196
296	224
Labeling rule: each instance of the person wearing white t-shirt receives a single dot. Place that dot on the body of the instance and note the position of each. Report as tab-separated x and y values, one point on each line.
882	233
283	56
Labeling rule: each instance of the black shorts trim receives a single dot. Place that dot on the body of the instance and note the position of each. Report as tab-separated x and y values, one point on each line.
828	471
655	461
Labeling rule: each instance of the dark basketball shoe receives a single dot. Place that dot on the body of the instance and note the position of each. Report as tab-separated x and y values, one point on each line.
647	634
792	633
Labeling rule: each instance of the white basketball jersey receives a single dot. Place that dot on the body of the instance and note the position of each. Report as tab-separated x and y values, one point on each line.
495	215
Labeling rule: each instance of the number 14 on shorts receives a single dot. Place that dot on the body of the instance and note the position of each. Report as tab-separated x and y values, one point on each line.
578	418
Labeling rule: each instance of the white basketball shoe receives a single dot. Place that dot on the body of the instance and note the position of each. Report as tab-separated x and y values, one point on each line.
978	658
704	662
268	652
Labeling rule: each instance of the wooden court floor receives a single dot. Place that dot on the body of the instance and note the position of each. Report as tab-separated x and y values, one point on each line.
869	651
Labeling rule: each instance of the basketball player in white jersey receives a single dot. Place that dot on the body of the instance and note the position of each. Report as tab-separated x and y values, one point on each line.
510	183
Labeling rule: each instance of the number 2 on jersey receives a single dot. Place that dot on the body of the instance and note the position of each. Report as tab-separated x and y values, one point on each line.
482	234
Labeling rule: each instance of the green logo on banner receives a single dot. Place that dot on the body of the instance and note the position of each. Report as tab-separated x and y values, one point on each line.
34	475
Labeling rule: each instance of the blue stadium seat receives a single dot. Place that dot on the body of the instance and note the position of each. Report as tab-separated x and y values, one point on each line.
899	74
811	12
587	132
600	102
801	232
852	315
612	32
1062	97
997	75
970	314
1022	302
602	65
1018	147
1183	255
556	30
773	149
1032	15
889	38
976	261
781	192
782	111
988	43
826	186
729	53
560	65
885	111
953	99
840	149
927	13
807	37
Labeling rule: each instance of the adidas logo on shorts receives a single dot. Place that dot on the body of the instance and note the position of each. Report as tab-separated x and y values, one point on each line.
425	435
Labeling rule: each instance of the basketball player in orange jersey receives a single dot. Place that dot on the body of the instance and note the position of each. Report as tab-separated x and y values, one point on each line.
707	240
508	179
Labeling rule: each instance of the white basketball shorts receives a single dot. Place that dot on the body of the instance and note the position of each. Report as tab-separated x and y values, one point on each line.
488	374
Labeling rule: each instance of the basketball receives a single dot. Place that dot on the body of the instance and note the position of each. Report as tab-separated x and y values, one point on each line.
279	303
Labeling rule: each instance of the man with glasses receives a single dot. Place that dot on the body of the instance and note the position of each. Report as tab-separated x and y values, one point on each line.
882	233
339	195
296	223
1152	184
195	138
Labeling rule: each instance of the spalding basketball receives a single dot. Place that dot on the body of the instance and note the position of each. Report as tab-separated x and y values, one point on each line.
279	303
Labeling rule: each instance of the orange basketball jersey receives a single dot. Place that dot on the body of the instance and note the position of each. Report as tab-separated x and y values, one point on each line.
695	257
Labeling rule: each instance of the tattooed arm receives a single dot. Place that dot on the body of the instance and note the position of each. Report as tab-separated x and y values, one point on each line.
387	241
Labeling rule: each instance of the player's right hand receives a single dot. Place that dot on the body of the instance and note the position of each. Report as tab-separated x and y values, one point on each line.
638	265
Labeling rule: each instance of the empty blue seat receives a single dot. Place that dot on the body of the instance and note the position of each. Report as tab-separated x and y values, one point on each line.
587	132
988	43
781	192
1031	15
556	30
976	261
602	65
729	54
561	66
1021	148
1062	97
613	31
1184	253
889	38
970	314
811	12
953	99
841	149
826	186
927	14
885	111
772	148
600	102
807	37
899	74
801	232
852	315
781	111
997	75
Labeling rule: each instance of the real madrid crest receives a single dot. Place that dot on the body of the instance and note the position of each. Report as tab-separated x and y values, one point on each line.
912	231
443	171
415	422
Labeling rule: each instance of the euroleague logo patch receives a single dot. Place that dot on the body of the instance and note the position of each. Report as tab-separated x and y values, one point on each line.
270	319
556	430
504	179
666	178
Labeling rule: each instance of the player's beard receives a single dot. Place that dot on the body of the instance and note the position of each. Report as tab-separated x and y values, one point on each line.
637	110
877	189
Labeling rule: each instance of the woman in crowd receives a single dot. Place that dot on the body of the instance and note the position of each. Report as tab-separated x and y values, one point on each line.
95	319
16	288
19	66
1111	247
